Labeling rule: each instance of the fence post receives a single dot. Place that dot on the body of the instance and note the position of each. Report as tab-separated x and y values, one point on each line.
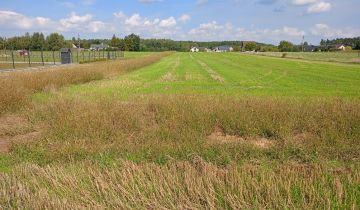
53	55
83	57
12	57
5	55
42	57
103	54
89	56
29	58
77	55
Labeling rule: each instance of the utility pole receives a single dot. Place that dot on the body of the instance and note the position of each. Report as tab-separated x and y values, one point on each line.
302	43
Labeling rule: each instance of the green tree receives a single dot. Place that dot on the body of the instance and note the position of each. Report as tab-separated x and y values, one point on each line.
132	42
55	41
115	42
37	41
286	46
250	46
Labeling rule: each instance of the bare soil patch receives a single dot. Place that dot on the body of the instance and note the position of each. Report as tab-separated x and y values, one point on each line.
15	129
220	137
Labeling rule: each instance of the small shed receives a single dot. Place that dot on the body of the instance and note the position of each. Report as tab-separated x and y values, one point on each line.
65	55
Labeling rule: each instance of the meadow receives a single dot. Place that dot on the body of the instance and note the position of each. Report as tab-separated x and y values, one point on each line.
182	131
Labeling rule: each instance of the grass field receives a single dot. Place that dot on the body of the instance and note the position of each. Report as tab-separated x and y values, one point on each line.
344	57
230	75
183	131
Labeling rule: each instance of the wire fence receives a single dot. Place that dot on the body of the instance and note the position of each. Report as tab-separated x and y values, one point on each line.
20	59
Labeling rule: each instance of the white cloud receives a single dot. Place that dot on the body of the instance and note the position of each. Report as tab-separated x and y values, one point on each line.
326	31
160	28
313	6
319	7
215	31
134	20
12	19
184	18
74	20
169	22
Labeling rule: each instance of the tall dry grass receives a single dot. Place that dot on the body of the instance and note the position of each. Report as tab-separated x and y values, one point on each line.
16	87
180	185
157	129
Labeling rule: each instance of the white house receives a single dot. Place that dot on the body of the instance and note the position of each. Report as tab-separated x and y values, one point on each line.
341	47
98	47
194	49
224	48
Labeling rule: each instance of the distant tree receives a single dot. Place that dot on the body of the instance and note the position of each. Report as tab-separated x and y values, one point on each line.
269	48
132	42
122	46
2	43
115	42
348	48
286	46
37	41
237	48
55	41
250	46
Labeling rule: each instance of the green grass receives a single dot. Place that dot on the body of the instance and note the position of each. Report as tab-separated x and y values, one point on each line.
242	75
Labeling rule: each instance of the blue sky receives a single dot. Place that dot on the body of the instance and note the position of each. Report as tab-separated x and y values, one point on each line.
267	21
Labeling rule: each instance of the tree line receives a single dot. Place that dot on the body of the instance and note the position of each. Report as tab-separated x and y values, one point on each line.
132	42
354	43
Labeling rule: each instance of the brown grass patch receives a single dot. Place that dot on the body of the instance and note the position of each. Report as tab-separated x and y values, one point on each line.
168	77
220	137
178	185
15	129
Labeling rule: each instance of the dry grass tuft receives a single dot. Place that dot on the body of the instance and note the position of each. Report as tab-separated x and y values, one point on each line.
179	185
219	137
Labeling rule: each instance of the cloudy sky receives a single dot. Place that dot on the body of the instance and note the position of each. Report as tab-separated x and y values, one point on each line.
200	20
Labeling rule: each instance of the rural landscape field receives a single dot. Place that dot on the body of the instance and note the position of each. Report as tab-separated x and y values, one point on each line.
207	130
181	104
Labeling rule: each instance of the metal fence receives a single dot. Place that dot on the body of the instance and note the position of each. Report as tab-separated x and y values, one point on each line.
20	59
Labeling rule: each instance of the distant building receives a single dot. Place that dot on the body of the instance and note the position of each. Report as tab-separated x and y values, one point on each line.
340	47
194	49
101	46
23	52
77	47
224	48
311	48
